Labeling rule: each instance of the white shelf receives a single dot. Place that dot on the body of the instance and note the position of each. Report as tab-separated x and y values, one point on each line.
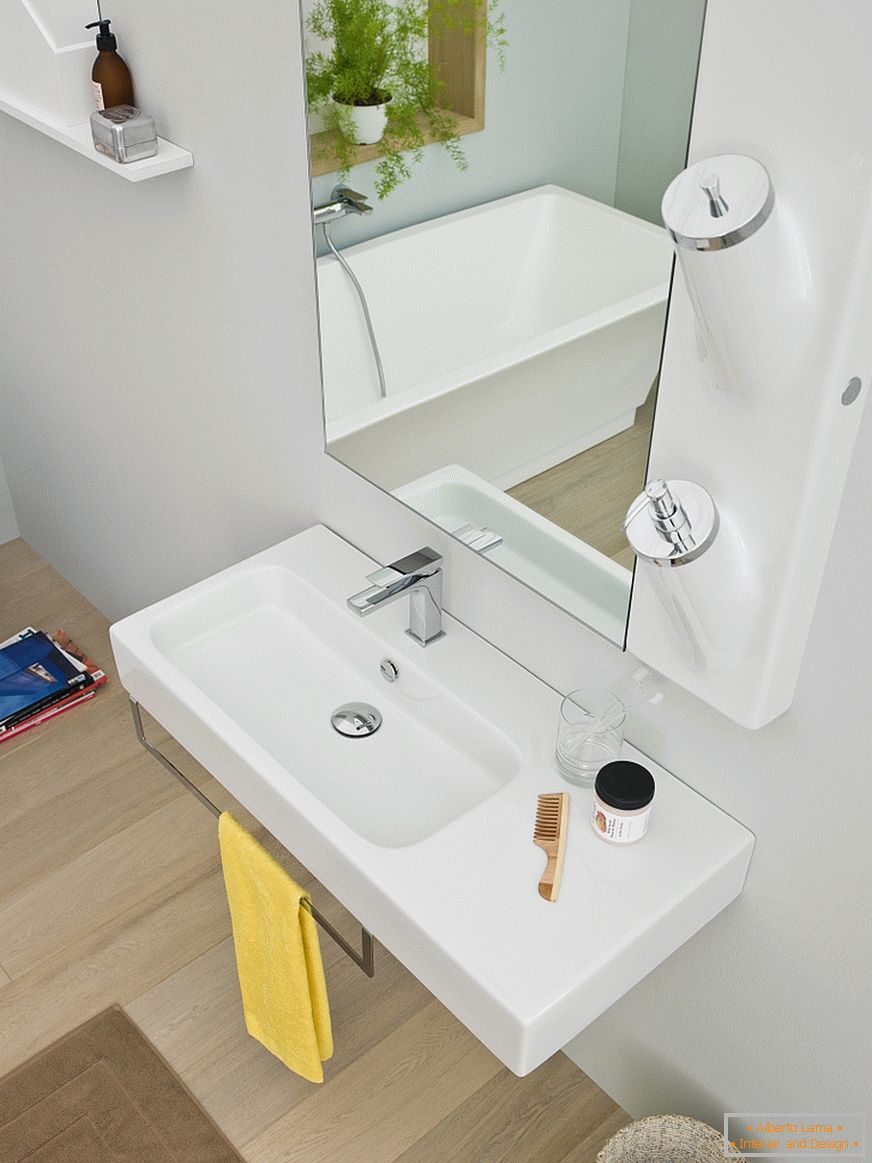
169	157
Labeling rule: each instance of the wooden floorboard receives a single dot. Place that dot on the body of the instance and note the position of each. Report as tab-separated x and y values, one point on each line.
111	892
195	1020
173	842
596	1137
589	494
504	1122
380	1104
114	964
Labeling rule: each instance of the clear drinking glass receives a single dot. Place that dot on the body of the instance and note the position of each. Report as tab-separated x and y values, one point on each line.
590	732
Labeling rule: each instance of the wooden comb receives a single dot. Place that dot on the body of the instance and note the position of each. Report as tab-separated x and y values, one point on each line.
552	810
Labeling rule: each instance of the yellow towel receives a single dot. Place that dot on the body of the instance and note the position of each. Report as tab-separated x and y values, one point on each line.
284	995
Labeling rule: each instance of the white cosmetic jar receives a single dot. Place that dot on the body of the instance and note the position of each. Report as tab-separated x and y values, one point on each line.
622	801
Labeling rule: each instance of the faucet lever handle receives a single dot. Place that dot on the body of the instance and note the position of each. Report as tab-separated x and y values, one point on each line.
423	561
351	197
347	192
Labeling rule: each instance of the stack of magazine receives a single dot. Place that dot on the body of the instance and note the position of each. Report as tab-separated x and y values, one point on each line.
42	676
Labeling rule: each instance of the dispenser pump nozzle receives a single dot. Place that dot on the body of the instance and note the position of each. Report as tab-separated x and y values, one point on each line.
106	41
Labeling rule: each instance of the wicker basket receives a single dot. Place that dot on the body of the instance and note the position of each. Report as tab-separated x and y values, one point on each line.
665	1139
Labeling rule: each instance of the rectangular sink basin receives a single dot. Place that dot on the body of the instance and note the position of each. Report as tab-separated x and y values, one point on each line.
269	651
424	829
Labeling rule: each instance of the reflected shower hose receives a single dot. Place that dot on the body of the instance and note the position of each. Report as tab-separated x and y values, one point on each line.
373	343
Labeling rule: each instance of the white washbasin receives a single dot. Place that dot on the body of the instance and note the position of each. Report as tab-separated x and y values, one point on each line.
424	830
270	652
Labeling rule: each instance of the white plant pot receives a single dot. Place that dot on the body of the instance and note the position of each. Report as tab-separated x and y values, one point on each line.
369	122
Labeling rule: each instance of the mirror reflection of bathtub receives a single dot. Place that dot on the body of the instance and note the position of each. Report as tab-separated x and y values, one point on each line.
518	302
563	568
514	336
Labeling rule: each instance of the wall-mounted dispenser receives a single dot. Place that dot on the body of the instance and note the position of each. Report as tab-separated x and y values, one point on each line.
715	212
671	522
717	203
766	328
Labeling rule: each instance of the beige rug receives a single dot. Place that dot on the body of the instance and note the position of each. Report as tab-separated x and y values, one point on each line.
103	1094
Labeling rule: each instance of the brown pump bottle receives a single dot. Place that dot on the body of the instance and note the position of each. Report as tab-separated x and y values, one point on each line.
111	83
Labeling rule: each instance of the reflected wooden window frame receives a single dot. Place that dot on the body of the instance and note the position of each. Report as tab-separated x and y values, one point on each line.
458	57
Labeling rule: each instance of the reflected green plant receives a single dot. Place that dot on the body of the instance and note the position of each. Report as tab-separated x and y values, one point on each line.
378	56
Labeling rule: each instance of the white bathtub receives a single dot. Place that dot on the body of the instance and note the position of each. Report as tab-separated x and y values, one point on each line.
513	336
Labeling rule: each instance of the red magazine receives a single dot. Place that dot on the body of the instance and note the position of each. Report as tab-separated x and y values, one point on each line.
49	713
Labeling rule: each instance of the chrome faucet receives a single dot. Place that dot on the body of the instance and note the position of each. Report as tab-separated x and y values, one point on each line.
420	576
342	201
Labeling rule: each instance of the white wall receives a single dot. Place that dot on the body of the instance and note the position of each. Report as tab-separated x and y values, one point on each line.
148	418
8	523
768	1007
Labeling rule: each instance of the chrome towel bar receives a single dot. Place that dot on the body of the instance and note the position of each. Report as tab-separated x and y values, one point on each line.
365	959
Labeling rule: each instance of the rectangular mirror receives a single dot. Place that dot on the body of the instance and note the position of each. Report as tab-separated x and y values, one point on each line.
501	377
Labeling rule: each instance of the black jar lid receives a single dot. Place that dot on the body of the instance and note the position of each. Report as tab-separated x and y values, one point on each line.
625	785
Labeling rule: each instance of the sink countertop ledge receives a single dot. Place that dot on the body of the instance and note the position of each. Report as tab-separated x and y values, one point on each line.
457	903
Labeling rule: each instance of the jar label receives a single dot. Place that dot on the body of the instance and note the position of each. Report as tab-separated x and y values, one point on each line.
619	829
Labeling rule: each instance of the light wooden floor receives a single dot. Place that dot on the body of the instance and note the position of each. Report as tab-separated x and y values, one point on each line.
110	891
589	494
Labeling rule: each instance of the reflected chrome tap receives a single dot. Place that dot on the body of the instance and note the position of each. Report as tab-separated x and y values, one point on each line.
343	200
420	576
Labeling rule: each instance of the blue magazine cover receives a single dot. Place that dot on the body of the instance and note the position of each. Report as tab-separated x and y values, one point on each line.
34	673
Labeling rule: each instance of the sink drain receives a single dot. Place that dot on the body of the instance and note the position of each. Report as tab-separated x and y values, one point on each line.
355	720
